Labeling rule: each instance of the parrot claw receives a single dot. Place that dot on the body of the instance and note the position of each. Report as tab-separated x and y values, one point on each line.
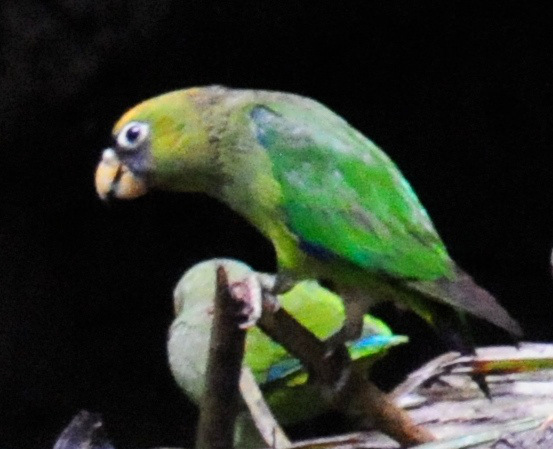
270	288
270	302
274	285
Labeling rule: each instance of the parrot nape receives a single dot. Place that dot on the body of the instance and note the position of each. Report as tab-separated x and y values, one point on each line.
283	380
334	205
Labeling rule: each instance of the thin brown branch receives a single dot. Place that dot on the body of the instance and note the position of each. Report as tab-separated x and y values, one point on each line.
268	427
352	391
362	395
303	344
219	406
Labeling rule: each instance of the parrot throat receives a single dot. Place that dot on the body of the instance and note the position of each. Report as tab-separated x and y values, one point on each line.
242	175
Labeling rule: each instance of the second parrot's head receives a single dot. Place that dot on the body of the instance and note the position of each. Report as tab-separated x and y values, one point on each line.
161	142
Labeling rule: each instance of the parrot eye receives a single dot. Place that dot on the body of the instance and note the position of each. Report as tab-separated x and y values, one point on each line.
132	135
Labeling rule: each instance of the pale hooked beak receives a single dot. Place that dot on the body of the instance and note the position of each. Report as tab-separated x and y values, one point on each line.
113	179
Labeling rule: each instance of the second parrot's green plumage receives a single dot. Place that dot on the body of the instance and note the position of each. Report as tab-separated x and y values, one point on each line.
281	377
333	204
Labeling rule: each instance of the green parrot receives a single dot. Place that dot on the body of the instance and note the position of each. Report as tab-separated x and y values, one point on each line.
283	380
334	205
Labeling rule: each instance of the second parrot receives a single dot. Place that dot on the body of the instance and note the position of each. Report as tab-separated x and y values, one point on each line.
283	380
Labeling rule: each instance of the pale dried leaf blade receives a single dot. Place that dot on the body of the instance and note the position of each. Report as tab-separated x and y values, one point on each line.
263	418
447	402
490	436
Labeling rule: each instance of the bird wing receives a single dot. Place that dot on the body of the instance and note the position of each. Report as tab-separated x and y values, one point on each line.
376	338
343	197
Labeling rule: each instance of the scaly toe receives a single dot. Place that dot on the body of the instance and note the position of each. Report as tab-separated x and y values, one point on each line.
249	293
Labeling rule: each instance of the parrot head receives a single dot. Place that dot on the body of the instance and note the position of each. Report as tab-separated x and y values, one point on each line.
161	142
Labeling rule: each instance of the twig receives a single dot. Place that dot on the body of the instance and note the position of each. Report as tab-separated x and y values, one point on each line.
219	405
264	420
303	344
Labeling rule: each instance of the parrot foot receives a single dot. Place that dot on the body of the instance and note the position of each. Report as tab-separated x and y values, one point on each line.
268	284
276	284
273	285
249	293
258	292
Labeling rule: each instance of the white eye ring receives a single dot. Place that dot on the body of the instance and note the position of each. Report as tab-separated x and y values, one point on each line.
132	135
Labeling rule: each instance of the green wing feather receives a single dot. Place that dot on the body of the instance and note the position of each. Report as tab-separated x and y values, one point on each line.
343	197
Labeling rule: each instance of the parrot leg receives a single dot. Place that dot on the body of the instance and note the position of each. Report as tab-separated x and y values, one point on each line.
351	330
356	306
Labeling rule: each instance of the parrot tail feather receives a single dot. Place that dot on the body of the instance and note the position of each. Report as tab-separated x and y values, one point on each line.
464	294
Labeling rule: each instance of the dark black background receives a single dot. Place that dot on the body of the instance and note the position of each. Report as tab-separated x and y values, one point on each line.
458	93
